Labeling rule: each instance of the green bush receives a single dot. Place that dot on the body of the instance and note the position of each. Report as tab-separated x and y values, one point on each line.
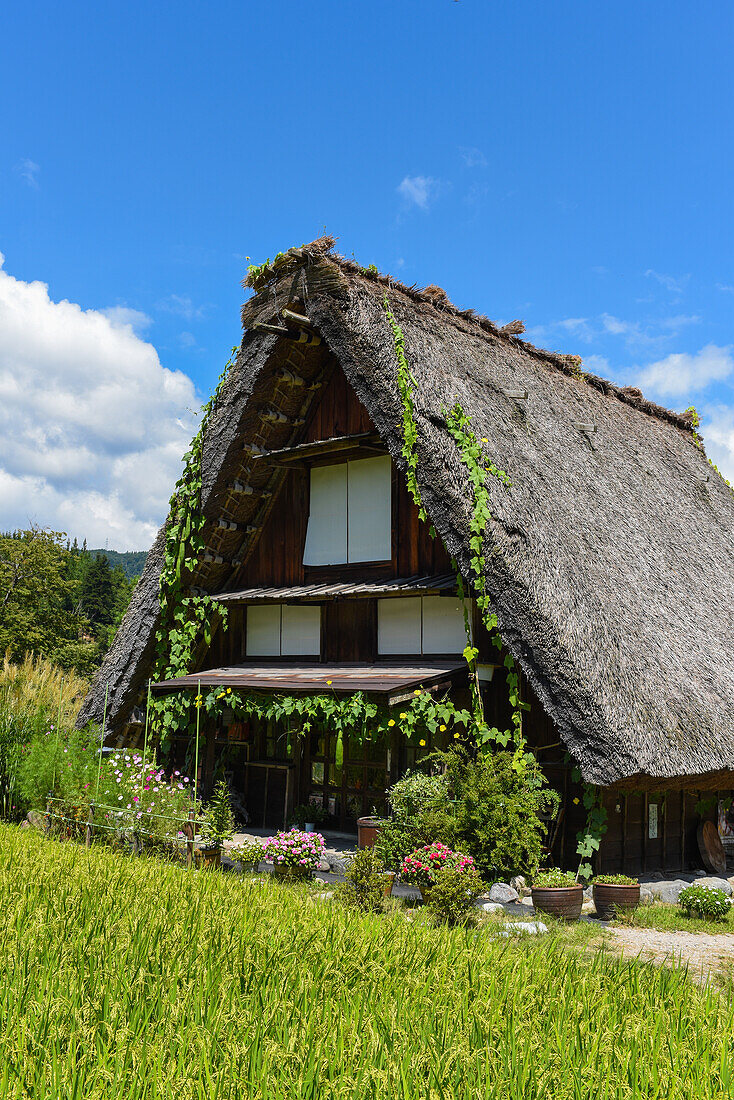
64	763
416	794
614	880
451	897
496	808
394	840
707	902
555	878
218	817
364	888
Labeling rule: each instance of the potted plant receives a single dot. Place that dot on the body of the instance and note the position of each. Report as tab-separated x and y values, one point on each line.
217	826
294	854
422	866
308	816
558	893
367	830
249	855
613	892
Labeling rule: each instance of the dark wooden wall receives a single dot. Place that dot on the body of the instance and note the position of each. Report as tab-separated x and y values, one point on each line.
278	556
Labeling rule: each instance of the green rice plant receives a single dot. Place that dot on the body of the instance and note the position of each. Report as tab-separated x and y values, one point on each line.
143	981
672	918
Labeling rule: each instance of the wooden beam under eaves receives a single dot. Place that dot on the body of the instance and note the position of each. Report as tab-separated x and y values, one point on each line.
366	441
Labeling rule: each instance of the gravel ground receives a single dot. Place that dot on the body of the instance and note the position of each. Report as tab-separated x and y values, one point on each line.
705	955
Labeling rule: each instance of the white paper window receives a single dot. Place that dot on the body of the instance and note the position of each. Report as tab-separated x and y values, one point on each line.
300	634
369	509
350	516
432	624
443	625
281	630
263	631
326	536
399	626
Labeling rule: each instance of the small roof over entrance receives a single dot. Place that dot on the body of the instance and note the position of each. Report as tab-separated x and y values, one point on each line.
396	681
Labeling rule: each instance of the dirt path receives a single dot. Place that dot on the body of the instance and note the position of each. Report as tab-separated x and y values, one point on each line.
704	954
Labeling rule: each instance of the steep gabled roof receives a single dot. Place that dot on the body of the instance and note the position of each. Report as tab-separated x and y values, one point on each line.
609	560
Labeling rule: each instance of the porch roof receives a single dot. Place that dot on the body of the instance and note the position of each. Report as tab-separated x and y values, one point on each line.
394	680
401	586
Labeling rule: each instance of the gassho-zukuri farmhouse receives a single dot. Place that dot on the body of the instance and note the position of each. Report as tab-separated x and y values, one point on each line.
607	559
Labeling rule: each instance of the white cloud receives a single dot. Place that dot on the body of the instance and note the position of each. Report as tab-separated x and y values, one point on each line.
28	170
675	284
418	190
717	428
182	306
125	317
725	288
92	427
472	157
682	373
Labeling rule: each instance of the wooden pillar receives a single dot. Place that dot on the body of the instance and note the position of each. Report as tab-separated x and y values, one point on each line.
624	831
188	831
683	830
90	827
645	812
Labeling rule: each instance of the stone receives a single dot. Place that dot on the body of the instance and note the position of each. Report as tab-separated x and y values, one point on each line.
502	891
325	895
518	883
321	881
524	928
588	893
656	876
490	906
37	820
699	873
323	866
717	883
528	902
646	896
668	891
588	906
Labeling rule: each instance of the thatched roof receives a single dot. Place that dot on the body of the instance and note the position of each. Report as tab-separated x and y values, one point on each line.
609	560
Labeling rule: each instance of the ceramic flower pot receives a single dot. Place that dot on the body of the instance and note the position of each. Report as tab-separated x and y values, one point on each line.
210	858
293	874
388	880
367	830
564	902
608	899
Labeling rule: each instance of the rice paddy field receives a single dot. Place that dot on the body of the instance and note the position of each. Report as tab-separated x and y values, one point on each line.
129	978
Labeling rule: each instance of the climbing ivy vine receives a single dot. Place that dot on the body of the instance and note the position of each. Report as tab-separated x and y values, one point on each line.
186	619
352	715
480	467
695	422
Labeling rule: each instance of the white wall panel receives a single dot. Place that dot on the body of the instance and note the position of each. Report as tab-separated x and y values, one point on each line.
399	626
443	625
326	536
300	631
263	630
369	509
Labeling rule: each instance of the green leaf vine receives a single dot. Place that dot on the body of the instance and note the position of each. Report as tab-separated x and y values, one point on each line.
480	467
354	716
185	618
695	423
588	839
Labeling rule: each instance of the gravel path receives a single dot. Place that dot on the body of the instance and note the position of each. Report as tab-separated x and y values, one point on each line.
704	954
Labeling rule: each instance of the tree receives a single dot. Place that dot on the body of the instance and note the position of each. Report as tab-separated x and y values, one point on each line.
36	605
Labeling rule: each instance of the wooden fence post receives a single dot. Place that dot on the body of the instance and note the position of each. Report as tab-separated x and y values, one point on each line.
90	826
48	816
188	830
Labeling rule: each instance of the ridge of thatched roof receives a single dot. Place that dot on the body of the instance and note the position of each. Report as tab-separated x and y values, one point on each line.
609	560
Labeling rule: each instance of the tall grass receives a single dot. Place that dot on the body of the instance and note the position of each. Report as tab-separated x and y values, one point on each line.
33	694
131	979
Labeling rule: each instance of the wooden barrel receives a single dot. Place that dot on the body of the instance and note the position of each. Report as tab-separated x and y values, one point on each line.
563	902
608	899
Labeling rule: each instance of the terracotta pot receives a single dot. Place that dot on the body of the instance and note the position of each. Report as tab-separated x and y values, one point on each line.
388	880
210	858
563	902
367	830
608	899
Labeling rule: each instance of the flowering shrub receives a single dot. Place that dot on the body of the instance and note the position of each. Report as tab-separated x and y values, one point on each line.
294	849
707	902
133	796
422	866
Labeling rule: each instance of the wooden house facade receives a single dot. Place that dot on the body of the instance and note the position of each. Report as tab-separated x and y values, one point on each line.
332	582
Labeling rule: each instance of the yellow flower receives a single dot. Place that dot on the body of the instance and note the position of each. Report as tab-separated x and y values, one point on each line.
422	743
484	440
229	691
330	681
575	801
456	737
391	722
417	691
442	728
403	715
221	695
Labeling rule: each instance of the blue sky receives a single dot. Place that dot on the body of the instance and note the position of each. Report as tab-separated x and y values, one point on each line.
569	163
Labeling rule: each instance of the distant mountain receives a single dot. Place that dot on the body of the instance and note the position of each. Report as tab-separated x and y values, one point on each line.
131	561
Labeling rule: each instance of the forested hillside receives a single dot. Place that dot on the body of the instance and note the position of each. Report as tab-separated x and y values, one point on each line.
130	561
59	600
